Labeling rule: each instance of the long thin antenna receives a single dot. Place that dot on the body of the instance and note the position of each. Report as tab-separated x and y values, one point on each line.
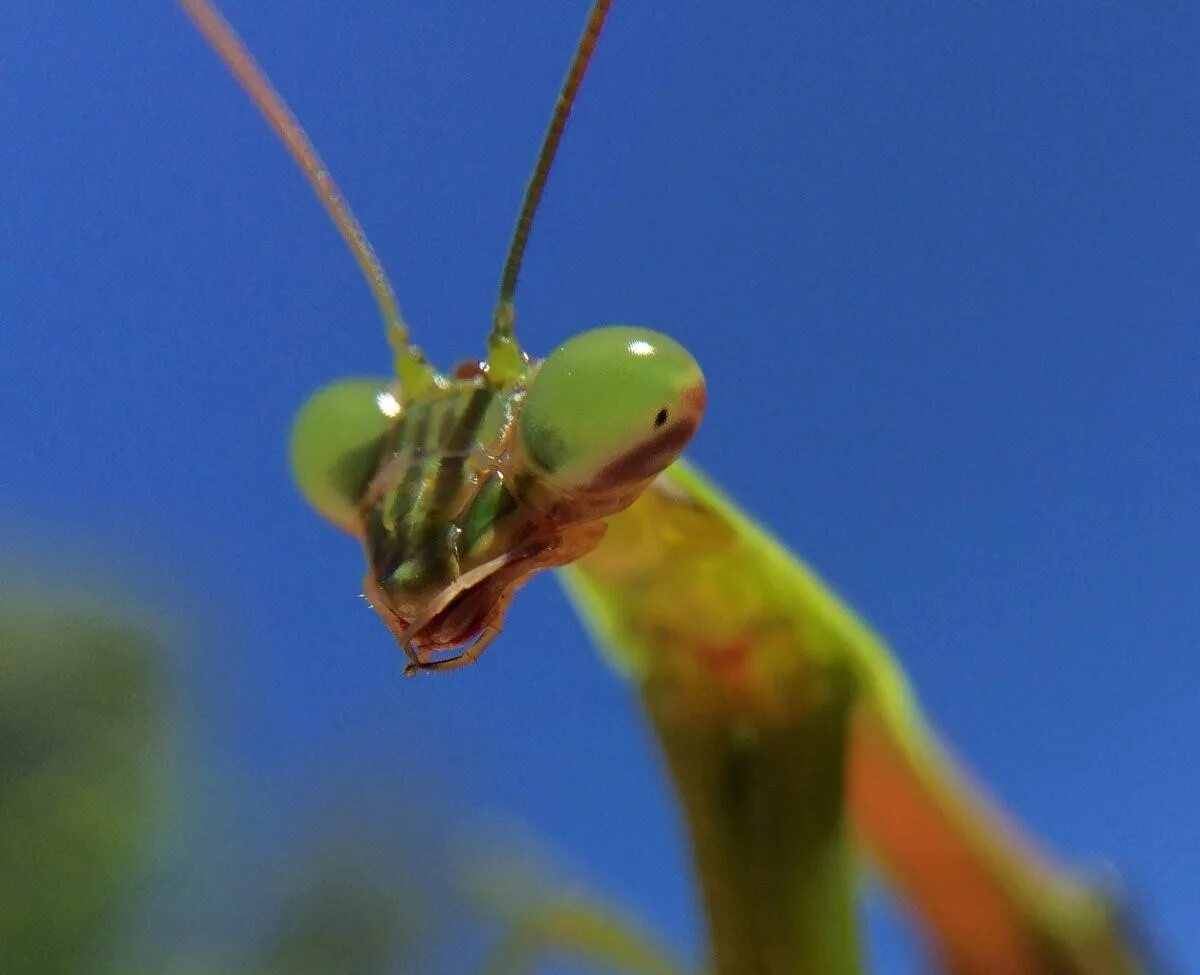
412	369
502	323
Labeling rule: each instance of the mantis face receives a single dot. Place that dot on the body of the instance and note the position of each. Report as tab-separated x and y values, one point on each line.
605	412
452	527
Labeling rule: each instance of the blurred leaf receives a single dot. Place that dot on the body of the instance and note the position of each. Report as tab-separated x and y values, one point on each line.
342	917
80	742
543	918
580	929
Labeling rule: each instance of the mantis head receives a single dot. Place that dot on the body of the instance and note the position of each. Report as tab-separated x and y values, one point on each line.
440	477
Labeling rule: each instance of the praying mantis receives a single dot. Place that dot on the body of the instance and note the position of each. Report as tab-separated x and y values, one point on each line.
777	709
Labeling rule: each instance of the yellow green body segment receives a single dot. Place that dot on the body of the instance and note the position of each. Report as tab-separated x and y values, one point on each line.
753	671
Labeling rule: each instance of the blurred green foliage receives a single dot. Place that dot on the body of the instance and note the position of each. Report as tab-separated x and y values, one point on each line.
86	768
82	711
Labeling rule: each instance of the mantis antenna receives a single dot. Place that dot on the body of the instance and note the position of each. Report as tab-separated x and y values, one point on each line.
414	372
502	343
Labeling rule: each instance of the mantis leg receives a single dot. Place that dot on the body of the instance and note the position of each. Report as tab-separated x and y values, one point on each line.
995	904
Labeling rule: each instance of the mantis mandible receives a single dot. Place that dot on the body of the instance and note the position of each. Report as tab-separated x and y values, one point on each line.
461	486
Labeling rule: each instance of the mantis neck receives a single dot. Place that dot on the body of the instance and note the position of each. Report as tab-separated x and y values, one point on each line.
765	812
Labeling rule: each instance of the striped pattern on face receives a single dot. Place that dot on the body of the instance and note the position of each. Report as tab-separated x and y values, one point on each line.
441	455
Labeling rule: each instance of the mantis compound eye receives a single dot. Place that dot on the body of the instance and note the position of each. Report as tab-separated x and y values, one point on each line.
611	408
337	438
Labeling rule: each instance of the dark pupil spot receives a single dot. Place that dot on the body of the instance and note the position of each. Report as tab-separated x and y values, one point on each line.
661	418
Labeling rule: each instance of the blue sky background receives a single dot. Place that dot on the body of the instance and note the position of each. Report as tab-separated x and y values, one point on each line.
938	261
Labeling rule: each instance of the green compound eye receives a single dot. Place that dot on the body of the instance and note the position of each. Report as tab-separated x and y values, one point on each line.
336	442
611	408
